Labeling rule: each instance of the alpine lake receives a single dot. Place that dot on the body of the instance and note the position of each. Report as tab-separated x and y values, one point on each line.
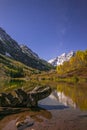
64	109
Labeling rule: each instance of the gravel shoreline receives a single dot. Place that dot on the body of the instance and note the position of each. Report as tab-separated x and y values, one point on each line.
66	119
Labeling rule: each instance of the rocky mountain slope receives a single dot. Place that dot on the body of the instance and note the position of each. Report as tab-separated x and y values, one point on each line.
60	59
11	48
29	52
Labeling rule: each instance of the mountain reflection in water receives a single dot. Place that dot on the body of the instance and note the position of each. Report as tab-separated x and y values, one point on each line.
67	101
66	95
56	100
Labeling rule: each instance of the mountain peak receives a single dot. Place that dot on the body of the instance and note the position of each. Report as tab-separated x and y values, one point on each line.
64	54
60	59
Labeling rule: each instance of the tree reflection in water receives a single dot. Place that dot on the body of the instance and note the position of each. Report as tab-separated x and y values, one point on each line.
74	95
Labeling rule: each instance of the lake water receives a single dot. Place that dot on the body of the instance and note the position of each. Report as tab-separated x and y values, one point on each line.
69	95
64	109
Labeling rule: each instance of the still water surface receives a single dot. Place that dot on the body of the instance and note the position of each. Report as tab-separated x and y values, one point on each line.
67	94
64	109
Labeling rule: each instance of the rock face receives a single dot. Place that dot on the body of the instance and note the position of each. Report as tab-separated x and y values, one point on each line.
11	48
23	99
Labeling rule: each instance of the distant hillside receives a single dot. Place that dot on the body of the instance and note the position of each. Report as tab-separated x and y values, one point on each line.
74	70
12	49
10	68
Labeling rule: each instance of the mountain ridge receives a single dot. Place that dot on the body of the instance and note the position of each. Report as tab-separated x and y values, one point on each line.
28	51
11	48
59	60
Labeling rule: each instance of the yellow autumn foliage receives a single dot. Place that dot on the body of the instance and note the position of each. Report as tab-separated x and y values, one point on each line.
77	61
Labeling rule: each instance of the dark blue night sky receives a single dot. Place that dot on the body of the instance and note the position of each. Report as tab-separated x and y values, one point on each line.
48	27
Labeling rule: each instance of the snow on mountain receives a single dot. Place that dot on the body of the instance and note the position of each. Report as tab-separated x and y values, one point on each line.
60	59
7	54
